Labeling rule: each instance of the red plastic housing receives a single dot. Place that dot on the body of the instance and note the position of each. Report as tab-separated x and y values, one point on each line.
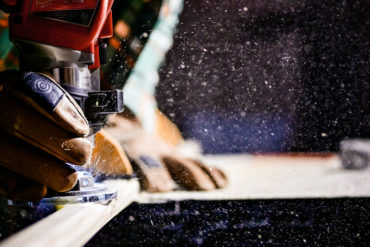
26	25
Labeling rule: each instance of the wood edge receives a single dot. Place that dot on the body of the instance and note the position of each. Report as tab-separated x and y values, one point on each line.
75	225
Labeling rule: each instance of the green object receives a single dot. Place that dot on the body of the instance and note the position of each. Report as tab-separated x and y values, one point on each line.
140	86
5	45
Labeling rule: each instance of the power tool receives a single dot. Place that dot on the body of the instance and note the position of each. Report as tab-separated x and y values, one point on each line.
66	40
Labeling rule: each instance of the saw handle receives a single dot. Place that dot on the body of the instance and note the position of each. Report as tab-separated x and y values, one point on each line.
10	6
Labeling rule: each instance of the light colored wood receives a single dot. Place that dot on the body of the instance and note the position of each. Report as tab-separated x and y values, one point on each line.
250	177
74	225
277	177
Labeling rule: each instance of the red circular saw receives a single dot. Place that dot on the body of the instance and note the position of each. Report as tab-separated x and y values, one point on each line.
65	39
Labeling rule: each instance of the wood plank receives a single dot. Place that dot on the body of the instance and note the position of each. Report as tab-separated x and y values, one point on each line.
74	225
278	177
250	177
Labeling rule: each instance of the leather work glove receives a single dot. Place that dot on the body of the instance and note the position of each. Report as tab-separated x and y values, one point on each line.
159	167
41	129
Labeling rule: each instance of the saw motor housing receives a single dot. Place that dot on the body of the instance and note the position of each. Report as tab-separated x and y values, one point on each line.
65	39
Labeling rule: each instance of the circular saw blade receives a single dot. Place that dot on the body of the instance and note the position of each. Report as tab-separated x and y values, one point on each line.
98	193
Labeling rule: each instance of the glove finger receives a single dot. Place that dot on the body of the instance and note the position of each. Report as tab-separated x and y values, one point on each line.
123	127
19	188
167	130
29	162
152	174
25	123
108	156
187	174
218	176
47	97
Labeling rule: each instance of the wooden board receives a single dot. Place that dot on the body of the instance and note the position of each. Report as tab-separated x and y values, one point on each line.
274	177
74	225
251	177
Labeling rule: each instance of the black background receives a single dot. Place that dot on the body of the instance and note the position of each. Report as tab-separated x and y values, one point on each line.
309	222
270	76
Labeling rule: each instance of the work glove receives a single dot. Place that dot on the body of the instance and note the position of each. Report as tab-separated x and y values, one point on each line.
41	130
155	159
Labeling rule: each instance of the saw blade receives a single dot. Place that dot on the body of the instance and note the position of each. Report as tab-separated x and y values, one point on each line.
85	191
98	193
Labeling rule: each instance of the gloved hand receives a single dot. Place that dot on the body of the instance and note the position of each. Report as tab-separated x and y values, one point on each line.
159	167
41	129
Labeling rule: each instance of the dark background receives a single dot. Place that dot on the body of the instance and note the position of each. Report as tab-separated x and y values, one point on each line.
269	76
309	222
